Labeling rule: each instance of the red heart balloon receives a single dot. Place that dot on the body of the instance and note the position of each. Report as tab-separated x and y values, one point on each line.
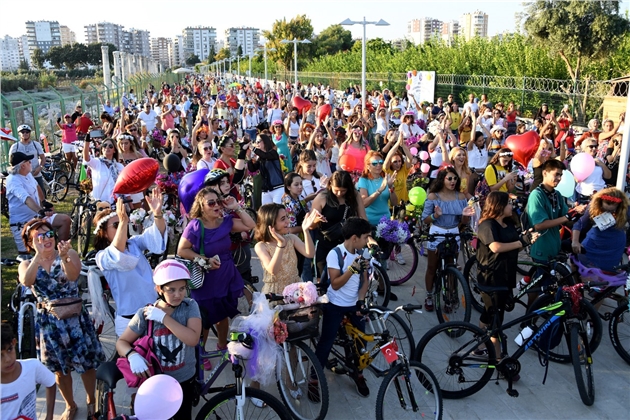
524	146
136	177
324	111
302	105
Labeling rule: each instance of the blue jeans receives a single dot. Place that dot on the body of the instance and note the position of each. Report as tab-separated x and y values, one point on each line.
331	320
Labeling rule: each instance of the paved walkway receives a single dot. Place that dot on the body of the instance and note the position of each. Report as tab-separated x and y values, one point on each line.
558	398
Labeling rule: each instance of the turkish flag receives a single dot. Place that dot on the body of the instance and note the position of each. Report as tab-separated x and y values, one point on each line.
389	351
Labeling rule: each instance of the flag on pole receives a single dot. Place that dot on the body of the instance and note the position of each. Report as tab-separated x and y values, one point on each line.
82	174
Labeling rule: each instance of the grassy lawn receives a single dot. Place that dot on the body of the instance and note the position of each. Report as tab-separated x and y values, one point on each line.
8	275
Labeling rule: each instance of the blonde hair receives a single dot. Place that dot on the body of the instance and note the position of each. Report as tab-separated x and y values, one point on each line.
452	154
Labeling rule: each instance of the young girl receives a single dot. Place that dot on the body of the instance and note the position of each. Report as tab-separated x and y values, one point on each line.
318	144
176	330
312	182
294	205
334	150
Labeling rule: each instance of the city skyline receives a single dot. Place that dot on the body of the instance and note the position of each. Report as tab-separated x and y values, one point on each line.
224	15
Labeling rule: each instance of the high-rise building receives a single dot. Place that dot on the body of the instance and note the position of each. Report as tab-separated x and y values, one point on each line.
176	54
43	35
198	41
247	38
10	56
139	42
450	30
474	25
68	37
106	33
422	30
24	51
159	50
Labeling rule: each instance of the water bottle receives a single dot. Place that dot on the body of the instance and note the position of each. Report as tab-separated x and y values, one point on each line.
523	282
523	335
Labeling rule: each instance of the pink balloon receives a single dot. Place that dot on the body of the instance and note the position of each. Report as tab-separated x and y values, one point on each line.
159	397
424	155
425	168
582	166
414	151
407	87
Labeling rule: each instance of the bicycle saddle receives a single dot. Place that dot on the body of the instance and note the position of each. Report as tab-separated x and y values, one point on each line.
613	279
109	373
492	289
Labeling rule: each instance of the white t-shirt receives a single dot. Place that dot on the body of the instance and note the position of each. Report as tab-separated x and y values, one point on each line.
32	148
19	398
20	188
594	182
150	119
102	181
381	126
348	294
411	130
474	108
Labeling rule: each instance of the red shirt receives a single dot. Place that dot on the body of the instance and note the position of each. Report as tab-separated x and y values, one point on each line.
83	124
232	101
220	164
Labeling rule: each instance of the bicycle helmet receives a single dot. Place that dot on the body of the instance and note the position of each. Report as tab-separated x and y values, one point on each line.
170	270
214	177
24	127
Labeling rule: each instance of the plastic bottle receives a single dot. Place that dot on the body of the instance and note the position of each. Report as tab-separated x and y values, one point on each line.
524	282
523	335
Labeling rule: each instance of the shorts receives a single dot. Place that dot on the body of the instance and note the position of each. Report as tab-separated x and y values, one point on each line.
17	237
69	148
273	196
432	246
121	324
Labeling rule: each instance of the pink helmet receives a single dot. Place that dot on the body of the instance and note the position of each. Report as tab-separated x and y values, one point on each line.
168	271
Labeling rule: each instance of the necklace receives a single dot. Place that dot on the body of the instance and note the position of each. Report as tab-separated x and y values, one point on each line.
49	258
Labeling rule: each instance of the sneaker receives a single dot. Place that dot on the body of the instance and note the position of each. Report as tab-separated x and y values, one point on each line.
400	259
258	402
313	391
480	353
361	385
207	364
428	304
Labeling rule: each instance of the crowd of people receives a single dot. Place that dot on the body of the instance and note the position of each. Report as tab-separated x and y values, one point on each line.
324	174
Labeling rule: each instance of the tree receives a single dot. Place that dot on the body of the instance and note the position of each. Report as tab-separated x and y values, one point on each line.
23	65
239	51
192	60
222	54
299	28
576	30
38	58
211	55
332	40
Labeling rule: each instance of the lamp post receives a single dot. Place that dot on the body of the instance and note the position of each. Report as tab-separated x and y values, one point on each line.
238	65
363	22
265	53
295	42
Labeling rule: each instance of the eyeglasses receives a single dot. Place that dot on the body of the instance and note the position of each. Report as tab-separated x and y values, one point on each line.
229	145
376	163
592	146
50	234
109	146
114	225
451	178
213	203
207	148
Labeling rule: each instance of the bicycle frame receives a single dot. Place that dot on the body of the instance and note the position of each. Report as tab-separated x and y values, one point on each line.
364	358
24	306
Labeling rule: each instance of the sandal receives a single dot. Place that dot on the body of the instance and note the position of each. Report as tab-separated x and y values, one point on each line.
69	413
91	409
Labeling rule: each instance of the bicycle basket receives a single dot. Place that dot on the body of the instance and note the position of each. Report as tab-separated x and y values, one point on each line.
302	322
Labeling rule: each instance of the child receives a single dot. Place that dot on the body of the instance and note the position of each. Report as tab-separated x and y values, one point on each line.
312	181
19	381
348	286
176	331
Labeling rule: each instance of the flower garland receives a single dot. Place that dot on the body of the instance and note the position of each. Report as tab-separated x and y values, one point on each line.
392	231
156	135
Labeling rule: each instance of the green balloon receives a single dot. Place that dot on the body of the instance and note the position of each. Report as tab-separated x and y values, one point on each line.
417	196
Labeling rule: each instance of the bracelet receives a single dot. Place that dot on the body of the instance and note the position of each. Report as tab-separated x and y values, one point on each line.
129	352
160	216
432	217
281	247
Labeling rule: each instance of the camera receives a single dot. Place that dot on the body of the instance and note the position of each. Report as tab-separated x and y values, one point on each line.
97	134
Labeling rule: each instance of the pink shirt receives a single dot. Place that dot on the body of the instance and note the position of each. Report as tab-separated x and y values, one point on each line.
68	133
358	154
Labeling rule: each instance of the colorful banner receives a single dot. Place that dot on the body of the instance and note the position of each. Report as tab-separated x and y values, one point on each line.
421	85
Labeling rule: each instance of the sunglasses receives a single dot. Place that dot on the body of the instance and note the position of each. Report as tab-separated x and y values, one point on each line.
50	234
592	146
131	130
109	146
376	163
506	154
114	225
207	148
451	178
213	203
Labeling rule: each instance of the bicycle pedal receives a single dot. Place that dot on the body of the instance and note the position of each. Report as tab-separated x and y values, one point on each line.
512	393
254	279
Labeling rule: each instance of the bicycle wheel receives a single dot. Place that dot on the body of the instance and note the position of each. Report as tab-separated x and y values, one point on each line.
379	288
471	270
59	188
525	264
619	331
447	349
402	263
588	314
582	363
248	196
409	392
398	329
83	234
304	404
66	168
28	349
452	296
102	403
106	332
223	406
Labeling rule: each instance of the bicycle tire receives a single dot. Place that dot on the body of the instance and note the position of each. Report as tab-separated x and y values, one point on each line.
379	289
102	405
471	269
66	168
437	350
398	329
59	188
524	264
28	348
305	407
449	306
83	235
106	333
400	273
582	364
225	402
588	314
619	331
391	402
248	196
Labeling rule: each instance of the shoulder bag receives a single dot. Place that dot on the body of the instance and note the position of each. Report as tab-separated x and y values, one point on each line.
197	274
333	233
144	347
63	308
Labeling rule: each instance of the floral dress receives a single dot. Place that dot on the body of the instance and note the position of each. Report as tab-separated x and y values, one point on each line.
68	344
288	271
295	208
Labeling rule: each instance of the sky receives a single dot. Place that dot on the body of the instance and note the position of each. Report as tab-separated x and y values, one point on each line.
168	18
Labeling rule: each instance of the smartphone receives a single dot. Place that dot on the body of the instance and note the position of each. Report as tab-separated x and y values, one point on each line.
97	134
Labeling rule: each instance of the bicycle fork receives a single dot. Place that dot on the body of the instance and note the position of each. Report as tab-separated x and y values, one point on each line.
23	309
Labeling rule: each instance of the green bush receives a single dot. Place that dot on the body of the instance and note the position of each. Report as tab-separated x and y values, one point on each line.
11	82
47	80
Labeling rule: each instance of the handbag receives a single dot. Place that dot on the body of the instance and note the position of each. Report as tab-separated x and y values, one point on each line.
63	308
483	189
333	233
144	347
197	274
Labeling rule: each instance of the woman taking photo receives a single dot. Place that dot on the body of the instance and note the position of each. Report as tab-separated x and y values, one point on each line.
69	344
223	284
105	170
445	209
267	161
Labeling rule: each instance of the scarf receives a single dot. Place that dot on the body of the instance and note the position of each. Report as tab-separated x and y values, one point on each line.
113	168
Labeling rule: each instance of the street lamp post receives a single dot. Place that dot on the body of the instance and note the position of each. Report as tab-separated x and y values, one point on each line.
295	42
363	22
238	65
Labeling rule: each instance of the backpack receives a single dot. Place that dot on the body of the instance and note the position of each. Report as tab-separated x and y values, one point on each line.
483	189
324	278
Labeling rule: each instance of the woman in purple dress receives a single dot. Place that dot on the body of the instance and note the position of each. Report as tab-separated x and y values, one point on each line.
223	285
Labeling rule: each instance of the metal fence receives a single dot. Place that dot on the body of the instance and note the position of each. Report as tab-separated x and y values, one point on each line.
584	97
41	109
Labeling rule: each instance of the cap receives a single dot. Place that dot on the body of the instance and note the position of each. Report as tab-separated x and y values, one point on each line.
277	122
67	116
170	270
19	157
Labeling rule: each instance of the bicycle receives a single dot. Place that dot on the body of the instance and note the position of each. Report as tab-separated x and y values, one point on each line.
4	201
82	214
228	403
464	361
56	181
23	305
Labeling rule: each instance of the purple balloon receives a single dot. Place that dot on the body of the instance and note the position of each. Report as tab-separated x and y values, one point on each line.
189	186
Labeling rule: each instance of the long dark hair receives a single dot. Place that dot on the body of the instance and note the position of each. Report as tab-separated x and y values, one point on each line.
495	159
342	179
439	181
266	139
267	216
495	205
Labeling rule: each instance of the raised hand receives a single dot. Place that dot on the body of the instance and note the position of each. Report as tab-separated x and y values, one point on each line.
281	240
437	211
121	211
468	211
312	218
230	203
63	247
155	201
